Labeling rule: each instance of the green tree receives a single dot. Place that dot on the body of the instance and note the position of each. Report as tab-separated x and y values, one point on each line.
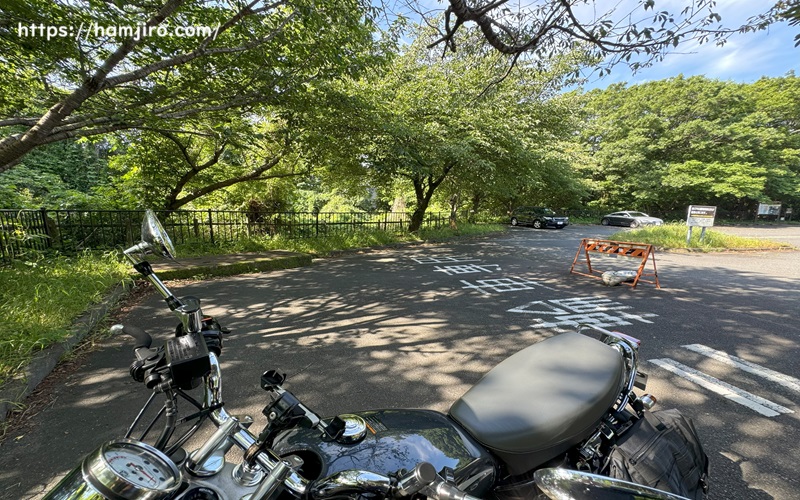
92	80
67	174
666	144
169	170
429	125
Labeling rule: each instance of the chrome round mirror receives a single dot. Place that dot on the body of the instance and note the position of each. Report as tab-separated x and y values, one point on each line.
563	484
155	236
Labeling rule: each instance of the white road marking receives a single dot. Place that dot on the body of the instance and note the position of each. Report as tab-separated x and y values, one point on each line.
756	403
758	370
442	259
467	269
576	310
574	304
500	285
538	307
601	319
589	304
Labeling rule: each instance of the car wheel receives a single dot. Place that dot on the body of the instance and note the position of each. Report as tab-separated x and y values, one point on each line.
605	222
635	224
514	221
537	224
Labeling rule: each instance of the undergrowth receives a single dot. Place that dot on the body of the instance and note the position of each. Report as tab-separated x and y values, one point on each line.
40	298
324	245
673	236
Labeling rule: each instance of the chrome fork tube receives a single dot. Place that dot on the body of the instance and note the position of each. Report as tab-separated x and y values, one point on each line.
241	436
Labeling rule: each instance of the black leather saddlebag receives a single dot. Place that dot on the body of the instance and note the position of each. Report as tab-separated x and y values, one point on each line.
662	451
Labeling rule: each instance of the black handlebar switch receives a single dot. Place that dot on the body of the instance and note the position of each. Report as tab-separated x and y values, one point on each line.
188	360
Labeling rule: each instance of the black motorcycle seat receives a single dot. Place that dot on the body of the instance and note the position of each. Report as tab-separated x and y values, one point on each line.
542	400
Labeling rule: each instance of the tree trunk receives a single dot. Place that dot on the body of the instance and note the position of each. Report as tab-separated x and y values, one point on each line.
423	189
423	196
453	211
418	216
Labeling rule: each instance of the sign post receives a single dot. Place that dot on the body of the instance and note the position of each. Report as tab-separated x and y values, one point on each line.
701	216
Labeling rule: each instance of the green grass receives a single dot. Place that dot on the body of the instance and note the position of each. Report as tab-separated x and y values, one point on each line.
39	300
673	236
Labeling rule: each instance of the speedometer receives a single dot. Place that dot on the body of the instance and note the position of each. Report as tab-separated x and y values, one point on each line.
138	466
121	470
131	469
128	469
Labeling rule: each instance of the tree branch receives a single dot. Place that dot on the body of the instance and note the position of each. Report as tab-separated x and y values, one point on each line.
256	174
202	49
12	148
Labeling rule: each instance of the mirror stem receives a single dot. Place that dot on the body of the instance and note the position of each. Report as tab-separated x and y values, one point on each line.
139	248
145	269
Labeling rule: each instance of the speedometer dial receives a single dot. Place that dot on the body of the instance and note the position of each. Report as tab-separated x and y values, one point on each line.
138	466
128	469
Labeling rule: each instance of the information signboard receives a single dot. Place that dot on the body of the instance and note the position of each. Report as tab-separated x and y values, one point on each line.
769	209
701	215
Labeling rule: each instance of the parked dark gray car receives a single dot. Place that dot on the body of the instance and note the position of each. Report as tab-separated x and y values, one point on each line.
630	219
538	217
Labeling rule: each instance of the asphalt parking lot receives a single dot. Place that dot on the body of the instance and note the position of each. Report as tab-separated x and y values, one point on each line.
417	326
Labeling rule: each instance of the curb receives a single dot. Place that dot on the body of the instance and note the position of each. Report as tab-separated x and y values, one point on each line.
14	393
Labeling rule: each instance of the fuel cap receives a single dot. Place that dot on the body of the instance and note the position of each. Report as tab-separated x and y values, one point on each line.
355	428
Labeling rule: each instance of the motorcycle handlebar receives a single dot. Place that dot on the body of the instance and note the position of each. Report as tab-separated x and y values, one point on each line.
278	472
141	337
242	437
422	479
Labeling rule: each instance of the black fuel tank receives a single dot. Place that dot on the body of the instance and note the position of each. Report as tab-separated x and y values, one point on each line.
396	439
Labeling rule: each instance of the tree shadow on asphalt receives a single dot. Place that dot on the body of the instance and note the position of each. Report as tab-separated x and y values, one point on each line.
368	331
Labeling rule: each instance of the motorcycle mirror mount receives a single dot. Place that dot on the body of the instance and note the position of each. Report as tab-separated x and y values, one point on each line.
154	239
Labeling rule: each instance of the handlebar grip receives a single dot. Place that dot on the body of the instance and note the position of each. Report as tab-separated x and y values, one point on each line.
141	337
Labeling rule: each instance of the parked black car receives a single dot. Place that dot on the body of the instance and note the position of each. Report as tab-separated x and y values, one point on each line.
538	217
630	219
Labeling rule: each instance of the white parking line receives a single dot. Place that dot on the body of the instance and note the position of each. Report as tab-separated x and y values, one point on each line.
755	403
758	370
442	259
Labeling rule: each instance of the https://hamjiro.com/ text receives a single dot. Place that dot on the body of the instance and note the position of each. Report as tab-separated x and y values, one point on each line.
94	31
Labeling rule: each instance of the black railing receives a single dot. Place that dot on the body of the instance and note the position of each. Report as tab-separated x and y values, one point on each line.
70	231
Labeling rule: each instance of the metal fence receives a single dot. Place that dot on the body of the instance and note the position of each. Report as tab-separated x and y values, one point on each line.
70	231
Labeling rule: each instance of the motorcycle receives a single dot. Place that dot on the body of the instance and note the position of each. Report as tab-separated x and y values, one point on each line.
551	421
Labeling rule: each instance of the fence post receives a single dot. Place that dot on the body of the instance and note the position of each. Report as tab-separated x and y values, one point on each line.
316	224
48	242
210	226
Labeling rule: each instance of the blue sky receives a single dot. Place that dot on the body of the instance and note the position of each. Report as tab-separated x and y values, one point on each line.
744	58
